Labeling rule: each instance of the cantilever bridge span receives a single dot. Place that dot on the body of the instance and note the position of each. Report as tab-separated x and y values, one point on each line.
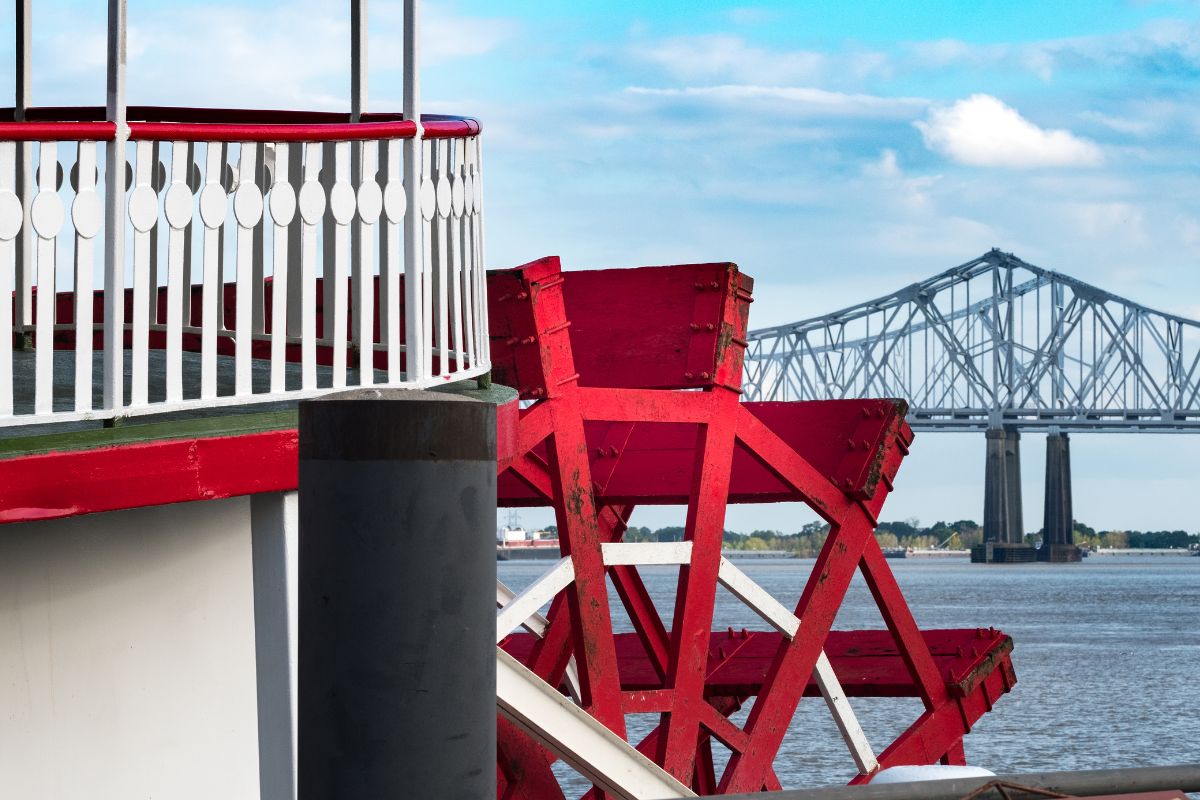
999	345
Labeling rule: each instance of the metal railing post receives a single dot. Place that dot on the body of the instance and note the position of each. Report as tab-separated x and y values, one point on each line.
414	348
359	271
358	59
25	183
114	214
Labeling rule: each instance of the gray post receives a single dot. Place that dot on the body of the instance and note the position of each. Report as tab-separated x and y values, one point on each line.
1058	523
1012	465
1003	520
995	487
397	681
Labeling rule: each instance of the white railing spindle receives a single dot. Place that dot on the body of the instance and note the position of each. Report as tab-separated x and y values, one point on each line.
178	209
11	222
143	213
454	254
213	207
441	278
283	210
341	210
481	308
428	211
370	205
258	279
312	210
87	215
390	260
462	245
247	211
47	217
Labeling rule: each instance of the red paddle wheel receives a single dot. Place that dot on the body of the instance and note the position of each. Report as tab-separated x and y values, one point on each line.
635	379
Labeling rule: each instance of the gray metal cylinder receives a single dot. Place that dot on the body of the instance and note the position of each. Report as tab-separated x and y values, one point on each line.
397	673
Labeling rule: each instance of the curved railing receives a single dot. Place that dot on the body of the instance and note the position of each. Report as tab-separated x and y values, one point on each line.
266	255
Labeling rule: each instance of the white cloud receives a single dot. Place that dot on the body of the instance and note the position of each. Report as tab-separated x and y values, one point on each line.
941	53
444	35
1160	47
1132	127
750	15
815	101
725	57
983	131
1115	220
885	167
267	54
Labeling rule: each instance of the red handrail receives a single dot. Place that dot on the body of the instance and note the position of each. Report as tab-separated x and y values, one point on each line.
57	131
78	123
226	132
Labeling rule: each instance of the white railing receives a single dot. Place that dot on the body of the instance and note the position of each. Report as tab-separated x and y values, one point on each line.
267	256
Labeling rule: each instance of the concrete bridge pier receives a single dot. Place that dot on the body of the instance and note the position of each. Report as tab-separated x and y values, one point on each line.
1003	519
1058	532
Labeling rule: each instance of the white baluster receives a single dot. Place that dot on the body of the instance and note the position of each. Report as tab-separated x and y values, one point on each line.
213	207
158	181
258	282
428	210
179	208
87	215
247	211
283	210
480	259
295	173
192	179
328	243
143	214
26	186
341	209
370	204
464	243
11	221
453	177
414	264
47	217
441	275
312	209
391	260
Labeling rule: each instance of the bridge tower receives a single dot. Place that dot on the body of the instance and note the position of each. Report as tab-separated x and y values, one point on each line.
1003	516
1058	532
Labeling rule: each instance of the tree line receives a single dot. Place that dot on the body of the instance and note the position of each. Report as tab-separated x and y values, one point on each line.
958	535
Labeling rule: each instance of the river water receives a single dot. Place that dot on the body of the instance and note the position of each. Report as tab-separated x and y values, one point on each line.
1107	656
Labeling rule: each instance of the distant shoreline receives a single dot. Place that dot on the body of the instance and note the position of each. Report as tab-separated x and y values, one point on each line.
1140	551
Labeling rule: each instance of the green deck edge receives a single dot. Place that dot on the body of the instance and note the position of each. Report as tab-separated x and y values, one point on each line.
131	432
141	433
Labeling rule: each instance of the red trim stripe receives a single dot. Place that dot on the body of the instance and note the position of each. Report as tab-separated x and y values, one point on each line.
65	484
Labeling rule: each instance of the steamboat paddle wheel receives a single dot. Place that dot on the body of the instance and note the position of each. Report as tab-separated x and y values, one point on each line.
633	386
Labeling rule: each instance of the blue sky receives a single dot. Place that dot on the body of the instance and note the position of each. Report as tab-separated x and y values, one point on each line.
834	150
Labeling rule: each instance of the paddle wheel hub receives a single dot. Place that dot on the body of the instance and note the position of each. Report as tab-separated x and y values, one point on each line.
634	381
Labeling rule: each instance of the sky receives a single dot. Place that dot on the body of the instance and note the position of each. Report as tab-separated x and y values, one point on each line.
835	151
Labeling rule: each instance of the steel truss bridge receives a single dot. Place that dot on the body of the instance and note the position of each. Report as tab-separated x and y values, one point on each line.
995	342
1000	345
